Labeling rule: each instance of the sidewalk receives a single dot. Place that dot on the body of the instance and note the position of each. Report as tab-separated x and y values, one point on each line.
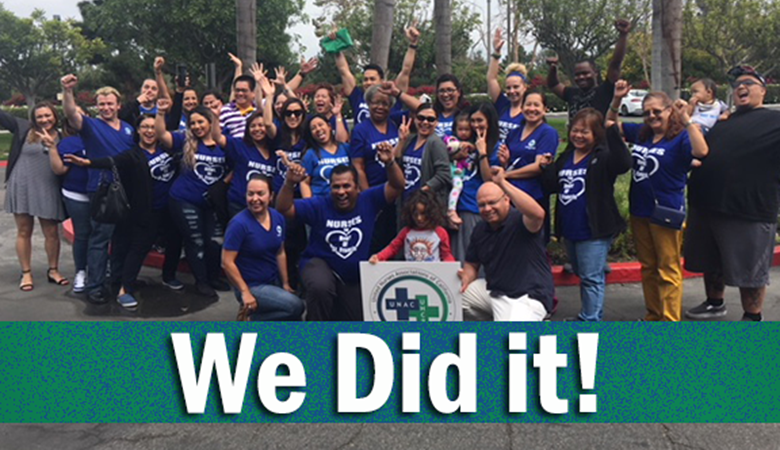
624	302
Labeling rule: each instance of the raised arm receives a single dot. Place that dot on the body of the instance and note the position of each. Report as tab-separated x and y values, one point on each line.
69	82
623	27
413	36
395	177
217	135
265	86
403	138
553	82
238	70
390	88
532	211
163	135
342	135
284	200
493	86
307	67
699	147
348	82
482	159
162	85
621	90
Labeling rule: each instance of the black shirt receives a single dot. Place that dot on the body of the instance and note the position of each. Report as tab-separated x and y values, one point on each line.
740	177
599	98
515	259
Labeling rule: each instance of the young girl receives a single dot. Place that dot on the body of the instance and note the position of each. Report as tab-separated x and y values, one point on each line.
423	239
459	148
705	109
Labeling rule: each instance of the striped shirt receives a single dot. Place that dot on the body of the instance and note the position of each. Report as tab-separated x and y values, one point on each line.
233	121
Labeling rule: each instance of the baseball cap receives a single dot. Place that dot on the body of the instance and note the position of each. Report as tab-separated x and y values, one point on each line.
738	71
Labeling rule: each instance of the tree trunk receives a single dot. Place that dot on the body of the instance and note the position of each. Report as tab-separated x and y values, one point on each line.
382	32
442	18
246	31
667	38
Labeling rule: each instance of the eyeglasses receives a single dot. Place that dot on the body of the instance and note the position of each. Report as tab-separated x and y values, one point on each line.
293	113
447	91
429	119
653	112
746	83
491	203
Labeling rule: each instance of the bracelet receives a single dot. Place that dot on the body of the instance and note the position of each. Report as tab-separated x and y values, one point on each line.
302	74
687	124
496	56
481	157
413	46
613	109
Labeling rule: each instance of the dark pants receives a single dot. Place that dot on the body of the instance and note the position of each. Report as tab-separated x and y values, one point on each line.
294	245
82	228
327	297
132	242
385	228
198	226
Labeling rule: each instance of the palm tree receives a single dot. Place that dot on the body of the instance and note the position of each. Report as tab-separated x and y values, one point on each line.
667	49
382	31
246	30
442	18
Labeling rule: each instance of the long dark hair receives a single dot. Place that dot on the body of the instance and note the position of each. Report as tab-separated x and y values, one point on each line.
308	137
433	208
247	136
32	136
493	133
287	132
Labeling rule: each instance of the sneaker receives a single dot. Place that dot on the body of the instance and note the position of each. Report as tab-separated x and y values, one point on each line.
127	301
206	291
173	284
97	297
706	311
219	285
80	281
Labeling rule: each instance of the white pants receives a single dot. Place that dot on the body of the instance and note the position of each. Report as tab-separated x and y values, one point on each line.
478	304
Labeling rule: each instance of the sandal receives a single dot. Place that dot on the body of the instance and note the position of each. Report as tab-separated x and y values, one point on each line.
25	287
61	282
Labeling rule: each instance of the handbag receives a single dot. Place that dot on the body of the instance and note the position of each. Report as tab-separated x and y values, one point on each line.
666	216
109	204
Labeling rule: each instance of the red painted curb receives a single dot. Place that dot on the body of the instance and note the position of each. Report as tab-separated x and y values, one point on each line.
3	163
624	272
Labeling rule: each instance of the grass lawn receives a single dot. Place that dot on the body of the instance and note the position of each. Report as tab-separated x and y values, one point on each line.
5	145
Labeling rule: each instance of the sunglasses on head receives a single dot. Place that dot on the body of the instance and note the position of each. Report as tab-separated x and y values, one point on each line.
429	119
293	113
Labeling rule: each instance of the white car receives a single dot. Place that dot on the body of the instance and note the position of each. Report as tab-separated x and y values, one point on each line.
631	105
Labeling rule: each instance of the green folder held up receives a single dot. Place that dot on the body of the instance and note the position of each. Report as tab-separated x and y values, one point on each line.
342	42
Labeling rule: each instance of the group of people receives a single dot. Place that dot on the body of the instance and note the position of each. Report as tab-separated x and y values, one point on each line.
286	198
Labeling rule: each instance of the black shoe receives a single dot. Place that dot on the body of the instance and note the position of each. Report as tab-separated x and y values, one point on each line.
206	291
97	298
706	311
219	285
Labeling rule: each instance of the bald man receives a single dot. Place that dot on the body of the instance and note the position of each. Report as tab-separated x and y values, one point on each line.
518	283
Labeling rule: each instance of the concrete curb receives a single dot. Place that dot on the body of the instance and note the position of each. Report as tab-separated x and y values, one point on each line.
625	272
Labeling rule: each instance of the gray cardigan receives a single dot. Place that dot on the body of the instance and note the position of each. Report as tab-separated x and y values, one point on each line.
436	173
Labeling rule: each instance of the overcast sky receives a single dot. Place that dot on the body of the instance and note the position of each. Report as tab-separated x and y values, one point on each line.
68	9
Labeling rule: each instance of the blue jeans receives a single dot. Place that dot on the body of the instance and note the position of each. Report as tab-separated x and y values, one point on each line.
82	228
588	259
274	303
97	254
198	226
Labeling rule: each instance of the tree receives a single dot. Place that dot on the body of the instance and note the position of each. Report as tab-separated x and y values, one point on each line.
191	32
246	28
442	18
35	52
382	31
667	47
578	29
733	33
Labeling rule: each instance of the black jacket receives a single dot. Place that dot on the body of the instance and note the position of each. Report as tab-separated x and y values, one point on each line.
133	167
609	160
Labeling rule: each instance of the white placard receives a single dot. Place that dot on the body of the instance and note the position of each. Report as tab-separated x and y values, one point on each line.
395	291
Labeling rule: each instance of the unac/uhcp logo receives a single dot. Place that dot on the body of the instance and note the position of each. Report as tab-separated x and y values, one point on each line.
412	295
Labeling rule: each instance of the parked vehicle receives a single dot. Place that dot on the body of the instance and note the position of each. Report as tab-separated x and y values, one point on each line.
631	105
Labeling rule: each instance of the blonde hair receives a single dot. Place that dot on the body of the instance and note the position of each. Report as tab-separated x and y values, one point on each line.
108	90
190	141
516	67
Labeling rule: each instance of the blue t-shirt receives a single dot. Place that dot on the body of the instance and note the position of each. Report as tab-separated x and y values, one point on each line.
77	177
661	168
320	167
101	141
412	161
444	126
472	181
342	239
294	154
257	247
162	168
572	200
357	101
193	183
544	139
246	161
506	122
365	138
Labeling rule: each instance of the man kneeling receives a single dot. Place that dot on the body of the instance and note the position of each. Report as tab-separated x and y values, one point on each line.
518	284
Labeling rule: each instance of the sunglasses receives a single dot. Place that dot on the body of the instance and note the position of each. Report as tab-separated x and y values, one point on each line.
746	83
293	113
429	119
653	112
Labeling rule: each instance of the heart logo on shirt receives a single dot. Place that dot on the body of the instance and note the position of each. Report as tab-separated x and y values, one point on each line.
412	175
162	171
344	242
209	173
325	172
363	115
644	166
571	190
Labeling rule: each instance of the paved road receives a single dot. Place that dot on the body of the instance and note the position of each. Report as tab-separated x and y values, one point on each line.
50	302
